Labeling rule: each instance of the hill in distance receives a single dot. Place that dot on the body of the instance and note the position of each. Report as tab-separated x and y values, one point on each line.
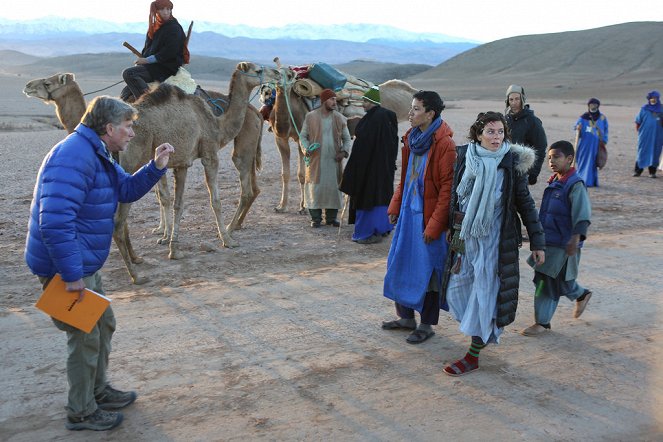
201	67
626	59
628	56
295	44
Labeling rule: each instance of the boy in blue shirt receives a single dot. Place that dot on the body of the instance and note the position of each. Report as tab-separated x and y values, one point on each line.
565	215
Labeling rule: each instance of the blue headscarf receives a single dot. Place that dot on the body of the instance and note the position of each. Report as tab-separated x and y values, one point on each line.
653	107
419	141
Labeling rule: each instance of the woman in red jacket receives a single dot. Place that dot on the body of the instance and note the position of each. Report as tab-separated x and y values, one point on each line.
421	206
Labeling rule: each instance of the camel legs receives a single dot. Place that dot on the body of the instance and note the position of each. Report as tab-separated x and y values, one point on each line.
301	176
121	237
178	209
165	212
165	222
211	168
245	157
284	150
130	248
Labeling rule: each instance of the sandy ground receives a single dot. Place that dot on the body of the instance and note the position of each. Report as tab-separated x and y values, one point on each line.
280	339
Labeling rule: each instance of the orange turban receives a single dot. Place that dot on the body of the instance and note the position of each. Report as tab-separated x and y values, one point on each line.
155	21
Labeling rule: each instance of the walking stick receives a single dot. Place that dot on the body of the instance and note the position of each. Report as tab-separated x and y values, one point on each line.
346	198
575	147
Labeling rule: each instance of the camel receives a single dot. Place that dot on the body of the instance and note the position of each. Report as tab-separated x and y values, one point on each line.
286	120
196	133
63	91
287	117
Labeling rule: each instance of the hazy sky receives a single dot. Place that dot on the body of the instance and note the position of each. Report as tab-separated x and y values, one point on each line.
480	20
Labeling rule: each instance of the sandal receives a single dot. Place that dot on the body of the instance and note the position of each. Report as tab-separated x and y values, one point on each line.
460	368
395	325
581	304
418	336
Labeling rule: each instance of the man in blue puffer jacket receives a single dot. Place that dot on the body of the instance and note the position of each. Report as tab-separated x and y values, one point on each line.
78	188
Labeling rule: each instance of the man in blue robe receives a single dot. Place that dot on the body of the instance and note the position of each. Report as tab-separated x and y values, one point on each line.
650	135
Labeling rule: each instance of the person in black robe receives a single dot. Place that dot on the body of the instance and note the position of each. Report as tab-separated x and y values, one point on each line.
164	52
368	177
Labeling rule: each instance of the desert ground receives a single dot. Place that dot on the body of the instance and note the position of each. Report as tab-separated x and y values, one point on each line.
280	338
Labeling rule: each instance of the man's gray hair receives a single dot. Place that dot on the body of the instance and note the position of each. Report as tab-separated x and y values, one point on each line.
103	110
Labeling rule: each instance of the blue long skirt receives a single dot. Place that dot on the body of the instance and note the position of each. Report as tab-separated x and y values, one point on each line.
411	262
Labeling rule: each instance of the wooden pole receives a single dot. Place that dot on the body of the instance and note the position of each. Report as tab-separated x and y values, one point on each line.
132	49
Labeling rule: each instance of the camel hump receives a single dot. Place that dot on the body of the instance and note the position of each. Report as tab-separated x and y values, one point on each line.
162	94
398	84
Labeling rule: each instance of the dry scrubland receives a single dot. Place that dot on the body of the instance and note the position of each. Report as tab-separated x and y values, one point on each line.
279	339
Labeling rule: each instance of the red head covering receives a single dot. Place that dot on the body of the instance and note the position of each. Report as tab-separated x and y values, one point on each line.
155	21
326	94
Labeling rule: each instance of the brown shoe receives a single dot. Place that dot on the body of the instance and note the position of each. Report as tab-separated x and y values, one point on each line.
581	304
534	330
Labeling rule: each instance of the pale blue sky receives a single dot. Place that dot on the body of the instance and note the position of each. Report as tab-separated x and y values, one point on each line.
482	20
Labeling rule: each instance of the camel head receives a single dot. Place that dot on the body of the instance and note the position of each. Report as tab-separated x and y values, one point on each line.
290	75
258	74
267	93
46	89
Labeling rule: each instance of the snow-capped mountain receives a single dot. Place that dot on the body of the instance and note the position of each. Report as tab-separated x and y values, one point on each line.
38	28
57	36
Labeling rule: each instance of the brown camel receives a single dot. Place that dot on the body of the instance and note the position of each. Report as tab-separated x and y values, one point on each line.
286	120
196	133
287	117
63	91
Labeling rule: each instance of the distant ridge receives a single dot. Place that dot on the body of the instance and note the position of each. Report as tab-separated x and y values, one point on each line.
260	51
628	54
626	58
55	36
16	58
201	67
357	32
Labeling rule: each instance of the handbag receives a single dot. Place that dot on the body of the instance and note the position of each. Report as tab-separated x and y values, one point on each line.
602	152
601	155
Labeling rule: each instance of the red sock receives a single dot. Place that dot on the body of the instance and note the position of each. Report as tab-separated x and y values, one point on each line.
462	366
474	360
468	363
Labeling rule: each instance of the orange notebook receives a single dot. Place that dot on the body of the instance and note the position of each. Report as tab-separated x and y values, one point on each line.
57	302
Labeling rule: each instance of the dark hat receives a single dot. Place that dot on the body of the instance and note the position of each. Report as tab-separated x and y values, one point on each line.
653	94
326	94
594	100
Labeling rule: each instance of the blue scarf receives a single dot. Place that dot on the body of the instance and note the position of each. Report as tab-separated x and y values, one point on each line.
653	107
419	141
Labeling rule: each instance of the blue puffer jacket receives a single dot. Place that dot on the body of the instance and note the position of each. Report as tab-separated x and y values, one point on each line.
71	216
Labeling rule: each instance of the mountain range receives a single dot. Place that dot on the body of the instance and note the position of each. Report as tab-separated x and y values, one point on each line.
359	32
626	59
301	43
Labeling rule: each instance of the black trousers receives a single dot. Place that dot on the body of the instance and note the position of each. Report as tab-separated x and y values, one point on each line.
136	78
430	313
651	169
316	215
